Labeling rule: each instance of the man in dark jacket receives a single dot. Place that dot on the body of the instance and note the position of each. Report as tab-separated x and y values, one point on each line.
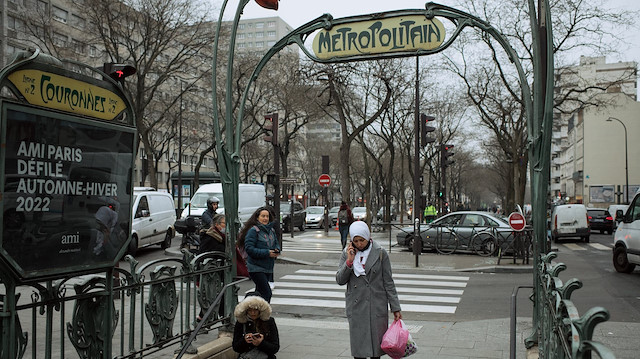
345	218
207	215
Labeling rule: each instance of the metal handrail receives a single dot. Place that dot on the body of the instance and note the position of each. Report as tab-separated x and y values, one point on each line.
206	316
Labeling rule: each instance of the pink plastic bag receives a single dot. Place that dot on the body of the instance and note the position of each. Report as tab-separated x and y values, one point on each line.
394	341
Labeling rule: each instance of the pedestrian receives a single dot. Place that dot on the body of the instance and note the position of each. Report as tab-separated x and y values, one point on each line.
255	336
366	270
430	213
345	218
259	240
214	239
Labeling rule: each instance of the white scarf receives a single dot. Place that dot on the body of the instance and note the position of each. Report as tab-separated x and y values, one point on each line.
360	260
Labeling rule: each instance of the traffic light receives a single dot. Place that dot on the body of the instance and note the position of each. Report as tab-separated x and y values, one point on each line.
440	194
271	126
425	129
118	72
446	153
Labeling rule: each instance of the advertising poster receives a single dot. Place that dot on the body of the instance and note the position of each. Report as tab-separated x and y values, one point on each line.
66	201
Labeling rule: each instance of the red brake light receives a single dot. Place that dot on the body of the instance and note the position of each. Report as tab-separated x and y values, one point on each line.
609	218
589	217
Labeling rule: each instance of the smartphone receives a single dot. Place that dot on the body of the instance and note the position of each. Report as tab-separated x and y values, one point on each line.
276	250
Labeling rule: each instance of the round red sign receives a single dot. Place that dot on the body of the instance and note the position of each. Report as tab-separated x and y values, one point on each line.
517	221
324	180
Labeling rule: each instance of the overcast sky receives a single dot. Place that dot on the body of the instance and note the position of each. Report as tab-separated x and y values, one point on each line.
298	12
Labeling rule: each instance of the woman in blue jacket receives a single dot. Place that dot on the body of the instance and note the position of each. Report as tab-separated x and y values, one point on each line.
260	242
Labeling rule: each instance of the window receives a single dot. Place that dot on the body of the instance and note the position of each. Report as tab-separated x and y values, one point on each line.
78	21
250	35
59	39
259	43
271	24
259	25
250	44
59	14
241	26
78	46
271	43
42	7
93	51
259	34
242	45
271	34
241	36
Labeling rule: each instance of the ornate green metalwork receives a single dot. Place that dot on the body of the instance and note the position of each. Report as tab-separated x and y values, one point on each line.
163	304
86	328
211	283
563	332
20	338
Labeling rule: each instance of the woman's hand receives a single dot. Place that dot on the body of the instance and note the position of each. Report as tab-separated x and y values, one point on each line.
274	253
257	339
397	315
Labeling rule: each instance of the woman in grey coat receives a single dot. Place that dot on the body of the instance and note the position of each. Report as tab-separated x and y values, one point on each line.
366	270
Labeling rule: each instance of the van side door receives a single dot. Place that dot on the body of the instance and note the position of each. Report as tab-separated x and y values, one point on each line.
142	221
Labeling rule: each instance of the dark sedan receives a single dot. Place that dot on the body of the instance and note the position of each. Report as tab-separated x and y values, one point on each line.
600	220
464	223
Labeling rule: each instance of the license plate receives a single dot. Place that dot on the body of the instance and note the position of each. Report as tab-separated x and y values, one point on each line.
566	230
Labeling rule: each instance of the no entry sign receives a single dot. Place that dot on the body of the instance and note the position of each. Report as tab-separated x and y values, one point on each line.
324	180
517	221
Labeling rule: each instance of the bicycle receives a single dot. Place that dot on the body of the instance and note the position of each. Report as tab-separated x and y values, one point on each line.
483	243
446	244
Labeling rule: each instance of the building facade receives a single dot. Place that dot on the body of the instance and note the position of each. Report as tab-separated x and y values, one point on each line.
590	144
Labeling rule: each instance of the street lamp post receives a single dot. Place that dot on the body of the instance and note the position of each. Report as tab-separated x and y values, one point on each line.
626	158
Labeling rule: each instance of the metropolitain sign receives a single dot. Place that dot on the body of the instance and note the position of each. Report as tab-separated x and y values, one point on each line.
373	37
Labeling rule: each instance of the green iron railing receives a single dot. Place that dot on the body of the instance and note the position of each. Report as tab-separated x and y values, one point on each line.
154	308
564	333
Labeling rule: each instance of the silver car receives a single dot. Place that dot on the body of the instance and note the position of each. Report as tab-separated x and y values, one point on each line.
465	224
315	217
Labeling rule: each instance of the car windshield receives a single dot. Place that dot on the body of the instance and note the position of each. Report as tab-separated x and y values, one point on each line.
285	207
199	200
597	212
315	210
334	209
359	210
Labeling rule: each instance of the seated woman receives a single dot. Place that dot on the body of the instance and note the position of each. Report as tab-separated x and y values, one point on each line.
256	333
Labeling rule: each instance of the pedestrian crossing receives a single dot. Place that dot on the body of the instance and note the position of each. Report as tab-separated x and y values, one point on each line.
311	244
585	246
421	293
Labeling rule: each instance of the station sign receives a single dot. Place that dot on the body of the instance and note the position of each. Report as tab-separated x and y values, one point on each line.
373	37
66	164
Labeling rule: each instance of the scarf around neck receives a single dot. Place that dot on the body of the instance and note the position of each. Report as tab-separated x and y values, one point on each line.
360	260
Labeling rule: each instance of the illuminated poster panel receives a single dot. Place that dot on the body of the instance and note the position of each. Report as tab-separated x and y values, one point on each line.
66	203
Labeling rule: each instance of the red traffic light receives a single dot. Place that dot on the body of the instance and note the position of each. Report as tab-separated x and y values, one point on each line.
118	72
271	125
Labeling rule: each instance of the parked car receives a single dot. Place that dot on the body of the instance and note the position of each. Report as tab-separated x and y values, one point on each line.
359	213
570	220
333	215
393	215
153	220
315	217
464	223
626	240
600	220
299	216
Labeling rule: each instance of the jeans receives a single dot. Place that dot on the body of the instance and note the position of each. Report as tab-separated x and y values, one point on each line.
344	230
261	281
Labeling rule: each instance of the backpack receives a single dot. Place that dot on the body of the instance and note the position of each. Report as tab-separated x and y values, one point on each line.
343	217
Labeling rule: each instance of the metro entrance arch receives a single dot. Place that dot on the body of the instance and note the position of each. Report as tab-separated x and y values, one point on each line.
419	32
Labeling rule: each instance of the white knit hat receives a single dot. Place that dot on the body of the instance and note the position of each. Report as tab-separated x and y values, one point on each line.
359	228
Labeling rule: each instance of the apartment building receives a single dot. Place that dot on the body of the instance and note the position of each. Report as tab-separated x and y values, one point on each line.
62	32
591	142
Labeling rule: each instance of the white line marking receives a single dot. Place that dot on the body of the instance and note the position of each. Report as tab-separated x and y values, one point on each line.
397	281
335	286
574	247
395	275
340	304
326	294
600	246
339	323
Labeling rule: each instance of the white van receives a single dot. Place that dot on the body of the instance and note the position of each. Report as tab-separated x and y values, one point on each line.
153	218
626	238
570	220
250	198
